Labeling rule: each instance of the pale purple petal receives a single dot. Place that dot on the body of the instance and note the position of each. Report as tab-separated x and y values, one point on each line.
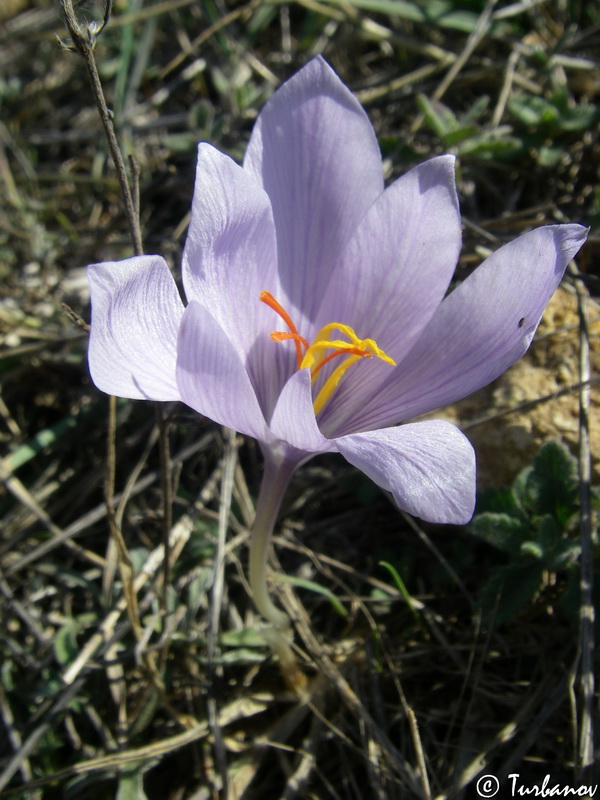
315	152
212	378
230	255
397	267
395	273
229	259
294	418
136	311
429	467
480	329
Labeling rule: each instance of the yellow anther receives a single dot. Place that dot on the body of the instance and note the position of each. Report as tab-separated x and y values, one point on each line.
316	356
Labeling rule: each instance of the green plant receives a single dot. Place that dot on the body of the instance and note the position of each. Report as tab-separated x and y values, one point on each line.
534	523
465	134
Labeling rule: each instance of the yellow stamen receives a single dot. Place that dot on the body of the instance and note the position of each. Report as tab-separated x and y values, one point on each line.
315	356
350	351
331	383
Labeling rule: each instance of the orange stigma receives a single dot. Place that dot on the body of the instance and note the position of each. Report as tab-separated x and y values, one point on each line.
278	336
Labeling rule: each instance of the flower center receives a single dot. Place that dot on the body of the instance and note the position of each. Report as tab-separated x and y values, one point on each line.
316	355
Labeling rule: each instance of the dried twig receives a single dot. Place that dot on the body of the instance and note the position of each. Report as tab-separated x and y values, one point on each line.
84	39
230	460
586	610
478	34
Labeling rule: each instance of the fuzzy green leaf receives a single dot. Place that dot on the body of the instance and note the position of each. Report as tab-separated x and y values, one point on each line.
548	156
552	484
565	555
476	111
520	489
460	134
548	534
503	531
439	117
499	500
533	111
488	145
533	549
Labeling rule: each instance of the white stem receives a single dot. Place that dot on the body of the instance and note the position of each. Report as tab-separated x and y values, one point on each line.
276	478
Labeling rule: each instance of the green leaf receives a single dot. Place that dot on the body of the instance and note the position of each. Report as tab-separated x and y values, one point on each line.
488	145
503	531
243	655
246	637
476	111
521	107
65	643
557	114
548	534
579	118
552	484
195	592
548	156
530	548
261	19
433	12
145	714
381	596
46	438
131	780
459	135
400	585
533	111
499	500
439	117
574	117
520	488
565	555
180	142
7	678
315	587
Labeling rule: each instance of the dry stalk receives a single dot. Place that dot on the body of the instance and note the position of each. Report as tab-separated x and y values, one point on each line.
585	755
84	38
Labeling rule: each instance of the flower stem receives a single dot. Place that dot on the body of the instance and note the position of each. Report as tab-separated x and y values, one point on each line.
276	478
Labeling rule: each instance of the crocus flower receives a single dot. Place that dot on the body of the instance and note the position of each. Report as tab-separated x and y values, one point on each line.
316	315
